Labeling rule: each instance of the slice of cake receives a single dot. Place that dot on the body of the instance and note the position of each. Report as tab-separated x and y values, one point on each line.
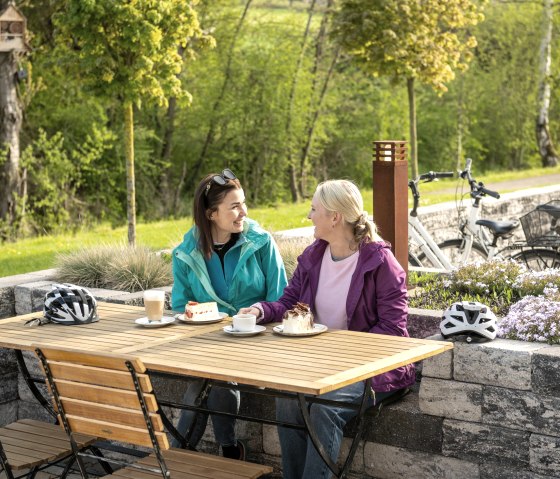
201	311
298	320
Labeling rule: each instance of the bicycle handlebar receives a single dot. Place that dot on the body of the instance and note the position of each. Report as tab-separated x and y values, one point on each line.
477	188
434	175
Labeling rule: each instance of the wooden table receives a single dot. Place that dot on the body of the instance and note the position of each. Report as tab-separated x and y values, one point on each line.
303	365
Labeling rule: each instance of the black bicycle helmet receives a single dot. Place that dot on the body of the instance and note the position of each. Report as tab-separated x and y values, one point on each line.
70	304
470	318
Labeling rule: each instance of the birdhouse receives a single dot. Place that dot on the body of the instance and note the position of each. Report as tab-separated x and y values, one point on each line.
13	27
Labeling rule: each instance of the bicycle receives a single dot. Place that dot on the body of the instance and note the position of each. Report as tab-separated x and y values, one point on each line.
480	238
430	255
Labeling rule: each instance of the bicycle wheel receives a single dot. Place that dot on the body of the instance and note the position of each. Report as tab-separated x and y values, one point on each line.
453	250
538	259
413	260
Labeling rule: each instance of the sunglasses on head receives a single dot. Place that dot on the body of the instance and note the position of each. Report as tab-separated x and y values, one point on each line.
221	179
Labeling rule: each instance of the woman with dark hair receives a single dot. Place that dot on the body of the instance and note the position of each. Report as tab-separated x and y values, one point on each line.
227	258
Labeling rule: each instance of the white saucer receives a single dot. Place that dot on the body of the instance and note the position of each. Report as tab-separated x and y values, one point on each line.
258	329
166	320
317	329
181	317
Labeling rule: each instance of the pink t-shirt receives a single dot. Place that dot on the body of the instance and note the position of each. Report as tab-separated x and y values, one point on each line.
334	284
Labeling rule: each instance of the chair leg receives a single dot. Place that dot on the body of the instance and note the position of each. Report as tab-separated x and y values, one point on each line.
104	464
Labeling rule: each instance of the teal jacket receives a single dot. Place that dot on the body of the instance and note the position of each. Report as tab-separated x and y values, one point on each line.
253	271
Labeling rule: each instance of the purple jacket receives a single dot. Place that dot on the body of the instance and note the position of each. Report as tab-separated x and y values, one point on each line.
376	302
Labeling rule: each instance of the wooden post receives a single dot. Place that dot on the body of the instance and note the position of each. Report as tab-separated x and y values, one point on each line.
390	196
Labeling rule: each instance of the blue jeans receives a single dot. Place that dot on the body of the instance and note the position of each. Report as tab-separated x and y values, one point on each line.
219	399
300	459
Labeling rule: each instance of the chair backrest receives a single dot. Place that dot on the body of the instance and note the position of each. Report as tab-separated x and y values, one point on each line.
104	395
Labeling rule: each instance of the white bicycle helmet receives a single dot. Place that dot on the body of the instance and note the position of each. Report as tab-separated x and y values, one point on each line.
70	304
469	317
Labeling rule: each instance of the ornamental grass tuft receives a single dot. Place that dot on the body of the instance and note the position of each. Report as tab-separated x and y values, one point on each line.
119	267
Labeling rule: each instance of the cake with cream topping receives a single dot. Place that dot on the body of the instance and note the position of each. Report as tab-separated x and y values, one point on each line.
201	311
298	320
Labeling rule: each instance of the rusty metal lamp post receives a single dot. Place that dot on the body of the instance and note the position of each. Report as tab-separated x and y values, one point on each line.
390	196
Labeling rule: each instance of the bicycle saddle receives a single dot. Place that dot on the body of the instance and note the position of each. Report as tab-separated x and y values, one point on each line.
499	228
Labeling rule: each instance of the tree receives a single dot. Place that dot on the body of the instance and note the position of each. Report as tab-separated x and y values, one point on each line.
129	51
544	140
409	39
10	126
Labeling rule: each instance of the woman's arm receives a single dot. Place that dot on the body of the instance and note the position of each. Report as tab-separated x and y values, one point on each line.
391	298
273	269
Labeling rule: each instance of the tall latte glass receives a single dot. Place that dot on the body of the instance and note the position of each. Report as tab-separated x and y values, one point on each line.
153	302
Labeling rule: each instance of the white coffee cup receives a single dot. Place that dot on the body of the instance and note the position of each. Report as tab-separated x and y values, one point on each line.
244	322
154	301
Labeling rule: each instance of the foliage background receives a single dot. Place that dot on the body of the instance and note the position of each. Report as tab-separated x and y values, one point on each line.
74	161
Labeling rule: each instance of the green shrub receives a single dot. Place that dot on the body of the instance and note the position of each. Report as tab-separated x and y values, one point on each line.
534	282
489	282
115	267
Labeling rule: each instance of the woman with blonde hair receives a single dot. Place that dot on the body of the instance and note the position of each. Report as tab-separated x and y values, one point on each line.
351	280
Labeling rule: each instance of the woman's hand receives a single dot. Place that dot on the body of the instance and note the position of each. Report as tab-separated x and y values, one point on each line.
254	311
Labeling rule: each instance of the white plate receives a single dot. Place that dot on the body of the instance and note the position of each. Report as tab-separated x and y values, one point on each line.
258	329
317	329
181	317
155	324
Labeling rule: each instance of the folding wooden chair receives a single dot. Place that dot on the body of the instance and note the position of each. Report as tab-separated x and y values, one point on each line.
111	396
28	446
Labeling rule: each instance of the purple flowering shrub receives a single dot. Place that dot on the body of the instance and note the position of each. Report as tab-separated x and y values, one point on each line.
534	318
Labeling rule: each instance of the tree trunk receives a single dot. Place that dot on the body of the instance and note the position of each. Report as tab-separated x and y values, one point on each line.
549	157
291	100
314	107
10	126
214	117
130	184
311	126
412	121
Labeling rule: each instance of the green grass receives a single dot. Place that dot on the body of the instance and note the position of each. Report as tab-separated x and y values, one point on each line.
39	253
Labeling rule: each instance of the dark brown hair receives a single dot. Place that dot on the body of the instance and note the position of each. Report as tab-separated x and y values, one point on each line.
206	201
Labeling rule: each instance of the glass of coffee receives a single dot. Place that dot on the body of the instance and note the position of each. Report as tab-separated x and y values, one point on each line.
154	301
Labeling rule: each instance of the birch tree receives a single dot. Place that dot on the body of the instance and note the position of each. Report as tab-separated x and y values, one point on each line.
549	156
410	40
129	51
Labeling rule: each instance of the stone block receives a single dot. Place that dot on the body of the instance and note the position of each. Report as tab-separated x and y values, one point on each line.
24	296
451	399
521	410
357	466
402	424
545	454
423	322
484	443
489	470
271	442
439	366
130	299
8	413
501	362
7	302
545	378
8	387
105	294
390	462
42	275
8	363
31	410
